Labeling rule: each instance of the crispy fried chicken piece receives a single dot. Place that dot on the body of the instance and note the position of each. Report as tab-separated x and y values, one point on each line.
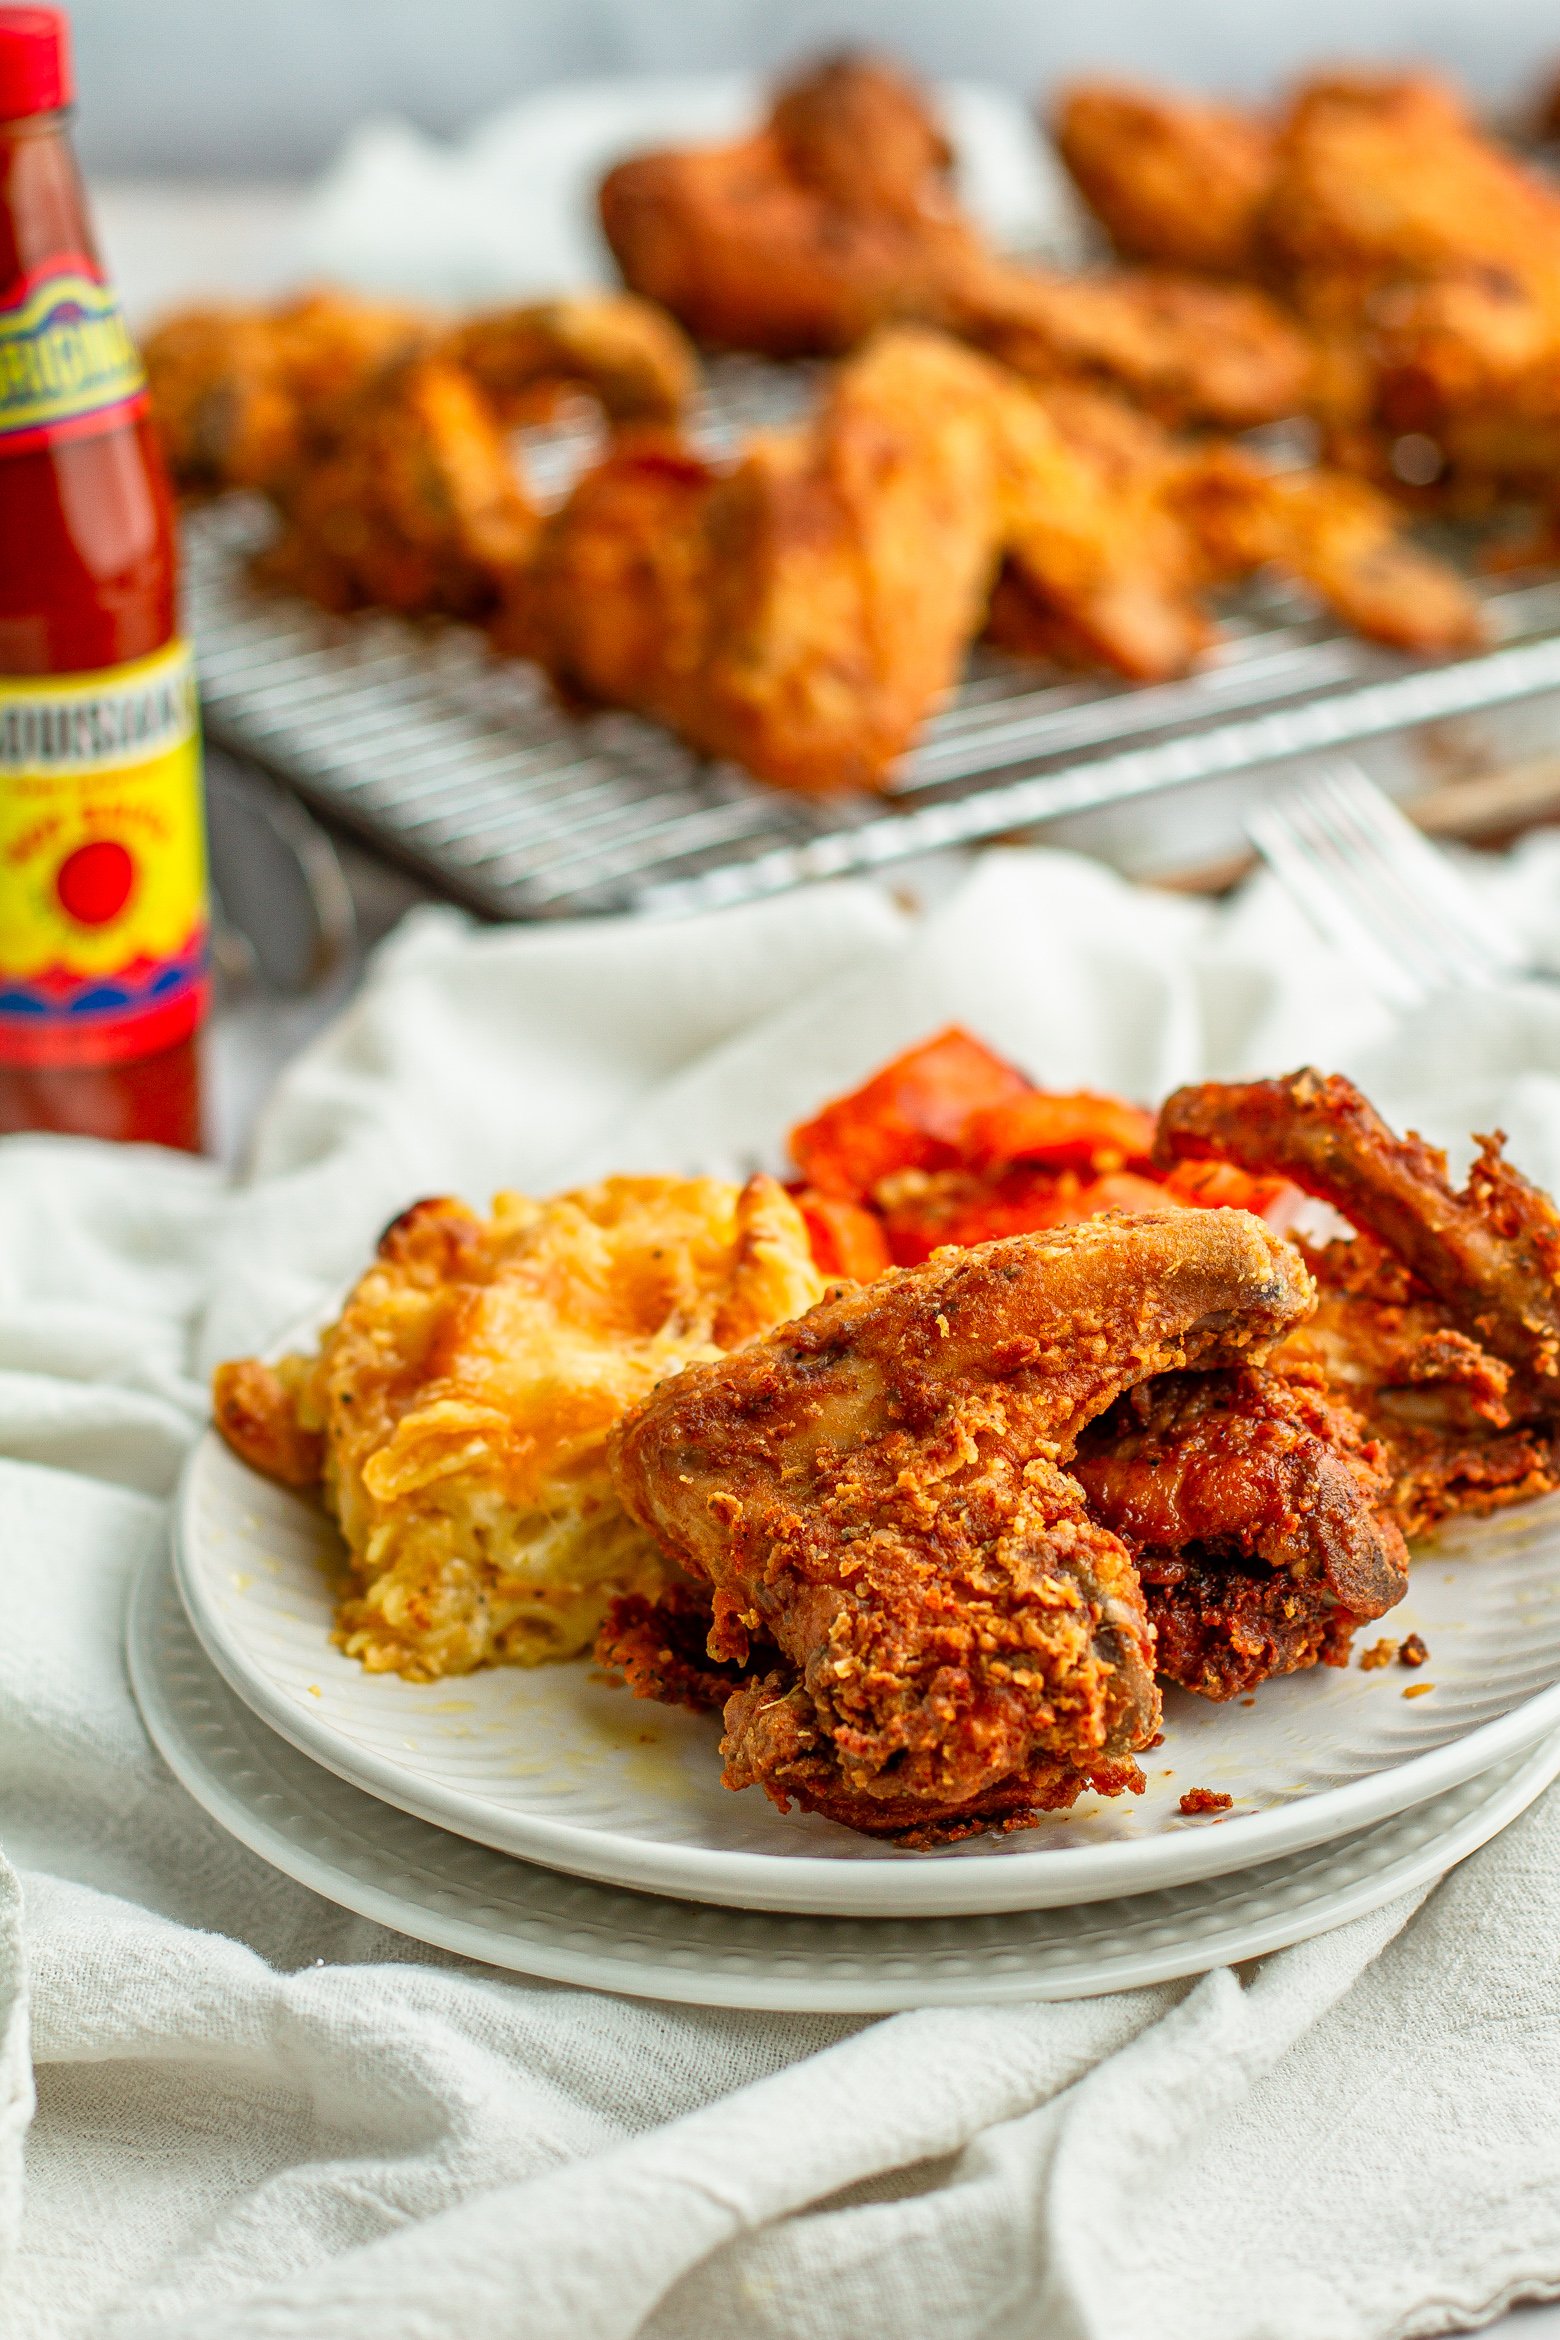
418	507
1338	535
880	1490
1393	219
1099	571
1185	349
630	356
1203	513
1442	1318
1490	1252
839	218
836	218
1170	179
803	613
1255	1509
249	397
241	397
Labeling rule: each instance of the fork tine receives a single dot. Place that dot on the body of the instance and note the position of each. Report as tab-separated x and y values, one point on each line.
1442	883
1432	934
1312	884
1379	889
1377	899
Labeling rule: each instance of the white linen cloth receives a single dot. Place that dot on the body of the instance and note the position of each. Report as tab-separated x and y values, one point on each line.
261	2118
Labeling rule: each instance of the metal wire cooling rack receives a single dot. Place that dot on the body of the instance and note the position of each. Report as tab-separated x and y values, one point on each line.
463	765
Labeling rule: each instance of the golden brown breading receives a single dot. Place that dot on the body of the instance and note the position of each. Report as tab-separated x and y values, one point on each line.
801	613
629	355
1183	348
839	218
1443	1322
459	1406
1255	1509
880	1490
416	507
241	397
1171	178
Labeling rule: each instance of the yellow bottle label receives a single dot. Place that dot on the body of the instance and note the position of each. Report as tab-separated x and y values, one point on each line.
67	362
102	862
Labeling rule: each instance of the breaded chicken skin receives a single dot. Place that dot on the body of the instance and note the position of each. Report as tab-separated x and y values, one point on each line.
880	1491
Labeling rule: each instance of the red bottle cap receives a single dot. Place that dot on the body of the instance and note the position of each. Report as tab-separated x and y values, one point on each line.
35	73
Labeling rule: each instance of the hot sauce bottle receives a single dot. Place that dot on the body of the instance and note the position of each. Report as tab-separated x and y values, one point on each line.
103	928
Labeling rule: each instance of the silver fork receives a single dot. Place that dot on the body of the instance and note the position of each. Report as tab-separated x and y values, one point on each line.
1380	891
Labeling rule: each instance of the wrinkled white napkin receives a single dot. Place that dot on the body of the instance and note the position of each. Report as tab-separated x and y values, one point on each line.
262	2118
510	210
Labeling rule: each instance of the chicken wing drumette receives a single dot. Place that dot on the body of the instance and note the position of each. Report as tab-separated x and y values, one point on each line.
880	1492
1441	1318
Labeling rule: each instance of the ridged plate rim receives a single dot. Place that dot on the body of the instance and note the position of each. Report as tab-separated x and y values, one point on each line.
817	1885
459	1896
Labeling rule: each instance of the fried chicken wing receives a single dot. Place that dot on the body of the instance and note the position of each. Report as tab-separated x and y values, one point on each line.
1171	179
252	397
1443	1321
242	397
418	507
839	217
879	1490
628	354
801	613
1255	1509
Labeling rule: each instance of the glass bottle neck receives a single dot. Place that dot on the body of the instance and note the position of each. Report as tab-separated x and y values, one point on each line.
43	205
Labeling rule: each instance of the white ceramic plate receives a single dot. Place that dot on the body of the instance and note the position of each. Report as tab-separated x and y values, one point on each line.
445	1890
559	1767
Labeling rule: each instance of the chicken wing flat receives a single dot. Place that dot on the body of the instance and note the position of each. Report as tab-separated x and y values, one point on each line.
1444	1326
801	613
1256	1511
880	1491
1171	179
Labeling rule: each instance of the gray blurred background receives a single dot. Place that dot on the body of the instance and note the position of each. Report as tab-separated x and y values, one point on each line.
266	89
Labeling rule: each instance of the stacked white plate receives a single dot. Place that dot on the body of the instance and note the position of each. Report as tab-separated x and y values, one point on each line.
543	1820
